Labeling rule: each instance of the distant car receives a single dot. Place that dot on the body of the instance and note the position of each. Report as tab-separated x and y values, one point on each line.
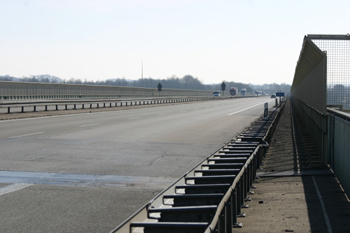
273	96
216	93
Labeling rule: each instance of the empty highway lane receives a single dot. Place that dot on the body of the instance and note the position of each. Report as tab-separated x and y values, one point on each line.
88	172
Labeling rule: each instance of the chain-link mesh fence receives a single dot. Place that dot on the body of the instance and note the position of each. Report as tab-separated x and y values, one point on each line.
337	48
309	84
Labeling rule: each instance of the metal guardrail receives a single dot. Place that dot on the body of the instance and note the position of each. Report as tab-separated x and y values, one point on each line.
92	103
211	196
315	124
24	105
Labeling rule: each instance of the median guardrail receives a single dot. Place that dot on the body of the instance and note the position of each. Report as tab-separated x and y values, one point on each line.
90	103
32	105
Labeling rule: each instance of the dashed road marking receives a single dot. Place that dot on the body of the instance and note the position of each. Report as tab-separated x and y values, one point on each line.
26	135
133	118
90	125
244	109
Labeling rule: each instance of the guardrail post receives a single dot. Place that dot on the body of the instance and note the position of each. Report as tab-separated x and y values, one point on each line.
228	216
246	184
98	105
243	185
45	107
240	199
221	223
66	107
75	106
8	110
56	107
82	106
234	208
251	172
34	108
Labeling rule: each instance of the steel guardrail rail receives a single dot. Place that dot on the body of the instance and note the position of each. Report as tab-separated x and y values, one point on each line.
95	103
211	196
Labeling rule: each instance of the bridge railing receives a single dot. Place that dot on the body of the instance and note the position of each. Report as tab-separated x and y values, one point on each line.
321	85
339	146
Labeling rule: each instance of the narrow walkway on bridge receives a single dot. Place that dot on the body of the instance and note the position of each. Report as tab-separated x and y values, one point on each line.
290	196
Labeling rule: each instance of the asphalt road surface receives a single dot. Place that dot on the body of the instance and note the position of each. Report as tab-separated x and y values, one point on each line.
89	172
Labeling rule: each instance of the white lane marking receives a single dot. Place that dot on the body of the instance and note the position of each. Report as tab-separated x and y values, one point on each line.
13	188
26	135
328	223
245	109
156	160
132	118
90	125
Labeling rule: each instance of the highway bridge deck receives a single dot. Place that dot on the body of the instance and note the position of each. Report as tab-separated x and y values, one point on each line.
288	198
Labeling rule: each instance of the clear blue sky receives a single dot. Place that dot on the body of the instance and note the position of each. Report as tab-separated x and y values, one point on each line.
246	41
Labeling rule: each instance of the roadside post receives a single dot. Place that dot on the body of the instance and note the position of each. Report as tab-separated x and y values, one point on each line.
159	88
266	110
